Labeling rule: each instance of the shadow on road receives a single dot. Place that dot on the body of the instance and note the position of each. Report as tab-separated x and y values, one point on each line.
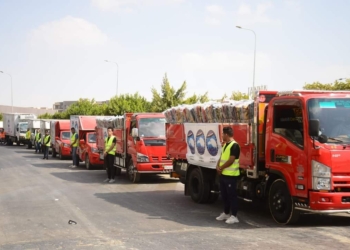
48	164
174	206
92	176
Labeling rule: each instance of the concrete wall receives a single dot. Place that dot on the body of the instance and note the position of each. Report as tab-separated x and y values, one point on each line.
36	111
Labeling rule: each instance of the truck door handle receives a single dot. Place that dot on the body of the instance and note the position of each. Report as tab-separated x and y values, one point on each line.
272	155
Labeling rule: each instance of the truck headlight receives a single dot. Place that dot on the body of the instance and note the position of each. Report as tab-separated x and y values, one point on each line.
321	176
142	158
94	150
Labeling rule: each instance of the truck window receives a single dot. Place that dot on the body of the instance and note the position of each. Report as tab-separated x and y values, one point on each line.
288	122
132	125
152	127
92	138
65	135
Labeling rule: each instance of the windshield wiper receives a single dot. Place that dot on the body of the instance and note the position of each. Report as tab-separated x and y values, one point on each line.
335	139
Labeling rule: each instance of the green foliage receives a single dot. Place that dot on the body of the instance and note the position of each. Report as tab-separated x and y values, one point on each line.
337	85
82	107
236	95
45	116
168	96
1	117
128	103
197	99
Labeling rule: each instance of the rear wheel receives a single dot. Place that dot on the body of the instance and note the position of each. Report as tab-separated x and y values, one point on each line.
198	188
133	175
88	165
60	154
281	204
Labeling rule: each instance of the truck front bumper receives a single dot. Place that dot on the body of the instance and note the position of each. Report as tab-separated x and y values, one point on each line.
95	159
65	151
327	203
158	167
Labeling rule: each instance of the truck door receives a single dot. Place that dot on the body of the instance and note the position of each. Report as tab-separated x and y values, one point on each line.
285	140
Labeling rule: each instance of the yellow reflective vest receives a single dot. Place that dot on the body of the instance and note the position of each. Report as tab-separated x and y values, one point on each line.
108	144
28	135
38	137
47	141
72	139
232	170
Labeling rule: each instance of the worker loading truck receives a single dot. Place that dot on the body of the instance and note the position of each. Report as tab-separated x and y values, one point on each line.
140	143
294	150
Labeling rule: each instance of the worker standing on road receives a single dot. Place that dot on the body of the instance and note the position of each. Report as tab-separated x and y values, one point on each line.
2	136
46	145
74	145
109	154
38	141
228	168
28	137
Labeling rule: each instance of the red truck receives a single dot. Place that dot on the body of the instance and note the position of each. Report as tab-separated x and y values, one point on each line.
87	149
60	138
295	153
140	144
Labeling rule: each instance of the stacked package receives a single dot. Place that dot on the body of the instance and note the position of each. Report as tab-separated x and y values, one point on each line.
212	112
110	121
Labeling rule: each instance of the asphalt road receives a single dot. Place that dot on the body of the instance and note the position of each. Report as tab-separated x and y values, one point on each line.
38	198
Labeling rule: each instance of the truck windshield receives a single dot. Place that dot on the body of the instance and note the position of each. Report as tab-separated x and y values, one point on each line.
334	117
66	135
92	138
23	127
152	127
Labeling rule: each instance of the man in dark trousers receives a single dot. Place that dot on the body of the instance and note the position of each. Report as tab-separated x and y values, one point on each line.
228	169
46	145
109	154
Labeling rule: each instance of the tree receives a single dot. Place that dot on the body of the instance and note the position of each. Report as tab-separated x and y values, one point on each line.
1	117
168	96
119	105
237	95
45	116
82	107
195	99
337	85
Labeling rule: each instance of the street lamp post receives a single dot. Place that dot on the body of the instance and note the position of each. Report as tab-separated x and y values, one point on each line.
11	89
239	27
117	72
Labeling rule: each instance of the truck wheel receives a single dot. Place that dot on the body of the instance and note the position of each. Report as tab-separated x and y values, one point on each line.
60	154
88	165
54	154
198	188
281	204
133	175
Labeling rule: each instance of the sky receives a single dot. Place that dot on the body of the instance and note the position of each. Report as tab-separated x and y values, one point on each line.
56	50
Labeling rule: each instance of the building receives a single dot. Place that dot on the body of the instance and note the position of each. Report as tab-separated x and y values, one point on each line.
29	110
63	106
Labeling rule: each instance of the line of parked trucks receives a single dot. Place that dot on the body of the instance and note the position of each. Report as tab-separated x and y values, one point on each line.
290	158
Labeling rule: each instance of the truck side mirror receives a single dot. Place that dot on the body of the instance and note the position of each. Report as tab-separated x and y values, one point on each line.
135	132
314	127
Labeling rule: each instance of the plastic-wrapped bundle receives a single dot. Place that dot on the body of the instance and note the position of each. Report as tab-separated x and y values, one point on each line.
188	114
119	122
179	114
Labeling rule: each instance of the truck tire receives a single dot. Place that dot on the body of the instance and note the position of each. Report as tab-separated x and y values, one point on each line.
281	203
60	154
133	175
88	165
54	153
198	188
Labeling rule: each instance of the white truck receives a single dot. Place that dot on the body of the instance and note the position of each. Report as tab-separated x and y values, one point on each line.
33	125
1	124
15	126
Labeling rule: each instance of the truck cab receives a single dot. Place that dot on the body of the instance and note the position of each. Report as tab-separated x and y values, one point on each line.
60	138
88	151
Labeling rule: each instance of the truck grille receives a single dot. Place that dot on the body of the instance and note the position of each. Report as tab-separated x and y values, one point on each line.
159	158
341	182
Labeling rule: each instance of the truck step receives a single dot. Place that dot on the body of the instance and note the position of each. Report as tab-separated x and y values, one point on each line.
245	199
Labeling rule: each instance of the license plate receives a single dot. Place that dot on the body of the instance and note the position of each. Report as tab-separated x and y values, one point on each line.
168	167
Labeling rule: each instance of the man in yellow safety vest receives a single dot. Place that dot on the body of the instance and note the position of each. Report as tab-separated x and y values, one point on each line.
109	154
46	144
28	138
228	169
37	141
74	142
